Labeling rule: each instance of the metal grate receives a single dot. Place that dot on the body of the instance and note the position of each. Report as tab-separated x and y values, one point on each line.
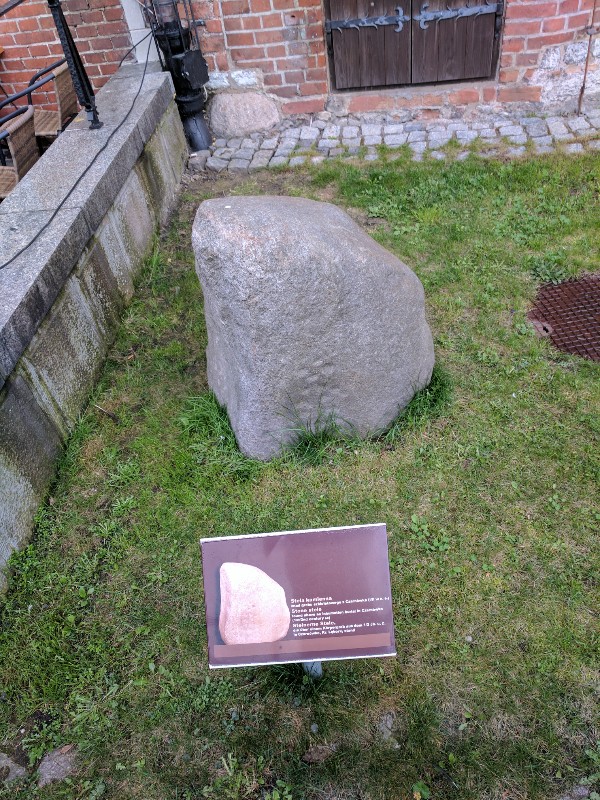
569	314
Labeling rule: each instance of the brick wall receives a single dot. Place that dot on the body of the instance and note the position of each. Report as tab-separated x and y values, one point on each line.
284	39
531	28
541	56
30	42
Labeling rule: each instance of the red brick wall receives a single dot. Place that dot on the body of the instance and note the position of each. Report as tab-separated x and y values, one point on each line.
30	42
529	28
285	40
282	38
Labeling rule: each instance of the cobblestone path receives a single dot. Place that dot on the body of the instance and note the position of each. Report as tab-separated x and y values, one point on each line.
300	140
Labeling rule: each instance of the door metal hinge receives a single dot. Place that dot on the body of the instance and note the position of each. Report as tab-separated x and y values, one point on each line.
426	17
368	22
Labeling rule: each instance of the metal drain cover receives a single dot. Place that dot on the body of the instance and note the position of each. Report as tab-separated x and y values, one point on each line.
569	314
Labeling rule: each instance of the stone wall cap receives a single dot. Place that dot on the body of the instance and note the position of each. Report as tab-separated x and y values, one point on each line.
30	284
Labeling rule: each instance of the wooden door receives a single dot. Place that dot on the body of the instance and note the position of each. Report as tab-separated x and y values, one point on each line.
380	43
371	55
451	49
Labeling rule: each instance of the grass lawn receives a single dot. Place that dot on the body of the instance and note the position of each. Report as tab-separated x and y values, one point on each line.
488	486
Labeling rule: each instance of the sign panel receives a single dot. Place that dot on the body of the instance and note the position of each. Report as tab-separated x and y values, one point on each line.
276	598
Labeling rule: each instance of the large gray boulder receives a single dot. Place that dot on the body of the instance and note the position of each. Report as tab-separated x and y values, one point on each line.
307	318
233	114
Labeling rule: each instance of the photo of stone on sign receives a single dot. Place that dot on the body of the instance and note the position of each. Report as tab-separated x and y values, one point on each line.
297	596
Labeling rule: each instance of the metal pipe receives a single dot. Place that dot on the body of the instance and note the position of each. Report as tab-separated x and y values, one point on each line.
591	32
314	669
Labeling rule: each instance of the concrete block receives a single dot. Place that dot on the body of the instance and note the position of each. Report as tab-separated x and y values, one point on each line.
29	445
115	100
121	262
85	174
63	359
135	217
30	284
163	162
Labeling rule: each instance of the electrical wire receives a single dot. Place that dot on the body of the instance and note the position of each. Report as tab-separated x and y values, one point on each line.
92	162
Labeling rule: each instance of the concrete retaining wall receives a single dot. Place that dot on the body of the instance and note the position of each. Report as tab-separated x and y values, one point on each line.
61	299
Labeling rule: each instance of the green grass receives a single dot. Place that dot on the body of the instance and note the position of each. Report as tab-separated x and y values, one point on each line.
488	483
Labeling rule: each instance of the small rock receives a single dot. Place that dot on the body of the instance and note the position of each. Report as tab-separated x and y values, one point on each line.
239	165
396	139
385	725
308	134
386	728
214	164
331	132
197	161
314	728
57	765
9	770
511	130
237	114
371	130
319	753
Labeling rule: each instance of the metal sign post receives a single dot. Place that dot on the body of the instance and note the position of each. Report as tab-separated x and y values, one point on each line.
314	669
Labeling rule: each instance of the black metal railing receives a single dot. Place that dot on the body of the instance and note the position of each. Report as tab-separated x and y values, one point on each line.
81	81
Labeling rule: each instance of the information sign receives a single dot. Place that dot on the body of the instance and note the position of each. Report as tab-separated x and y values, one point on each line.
276	598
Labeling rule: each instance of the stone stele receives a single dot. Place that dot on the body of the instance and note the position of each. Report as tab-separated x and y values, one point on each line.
308	320
234	114
253	606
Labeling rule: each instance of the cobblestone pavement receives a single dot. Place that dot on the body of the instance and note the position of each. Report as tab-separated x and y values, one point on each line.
301	140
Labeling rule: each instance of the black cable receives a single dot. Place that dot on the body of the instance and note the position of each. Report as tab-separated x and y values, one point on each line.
92	162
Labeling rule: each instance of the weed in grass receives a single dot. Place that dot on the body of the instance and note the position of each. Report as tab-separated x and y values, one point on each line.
206	425
237	780
548	267
41	739
123	474
427	404
437	544
315	441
